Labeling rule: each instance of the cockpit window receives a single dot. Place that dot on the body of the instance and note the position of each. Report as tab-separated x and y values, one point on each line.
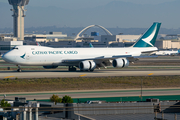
15	48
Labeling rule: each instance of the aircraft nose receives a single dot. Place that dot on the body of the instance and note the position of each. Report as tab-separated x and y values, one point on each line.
6	57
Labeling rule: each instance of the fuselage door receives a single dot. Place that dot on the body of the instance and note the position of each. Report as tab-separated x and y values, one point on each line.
27	56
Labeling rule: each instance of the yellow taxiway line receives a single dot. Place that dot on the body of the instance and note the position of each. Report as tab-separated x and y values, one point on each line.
9	76
83	75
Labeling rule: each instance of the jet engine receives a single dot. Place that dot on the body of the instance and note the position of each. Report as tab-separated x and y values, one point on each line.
120	62
87	65
50	67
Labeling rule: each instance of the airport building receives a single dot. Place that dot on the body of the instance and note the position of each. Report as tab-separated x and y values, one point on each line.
61	44
22	109
168	44
59	40
62	41
95	44
120	44
56	35
120	38
45	37
8	45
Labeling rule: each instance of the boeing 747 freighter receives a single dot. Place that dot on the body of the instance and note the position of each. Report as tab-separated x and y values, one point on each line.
86	59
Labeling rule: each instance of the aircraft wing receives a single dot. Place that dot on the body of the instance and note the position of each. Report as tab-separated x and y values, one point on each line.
103	61
97	59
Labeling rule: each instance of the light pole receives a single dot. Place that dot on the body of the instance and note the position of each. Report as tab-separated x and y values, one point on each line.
142	84
141	88
4	96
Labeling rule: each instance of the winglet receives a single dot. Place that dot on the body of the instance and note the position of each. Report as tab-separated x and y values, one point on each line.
179	51
90	45
38	44
148	39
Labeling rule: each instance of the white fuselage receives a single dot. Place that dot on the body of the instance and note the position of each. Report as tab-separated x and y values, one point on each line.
46	56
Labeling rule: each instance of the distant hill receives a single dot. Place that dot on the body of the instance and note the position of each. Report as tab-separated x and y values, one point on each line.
75	30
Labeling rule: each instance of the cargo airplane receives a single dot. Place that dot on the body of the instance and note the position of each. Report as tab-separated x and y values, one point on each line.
86	59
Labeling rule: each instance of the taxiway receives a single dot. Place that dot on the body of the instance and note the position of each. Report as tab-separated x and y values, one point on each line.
94	93
96	73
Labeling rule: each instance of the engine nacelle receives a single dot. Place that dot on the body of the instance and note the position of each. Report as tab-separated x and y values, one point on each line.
121	62
87	65
50	67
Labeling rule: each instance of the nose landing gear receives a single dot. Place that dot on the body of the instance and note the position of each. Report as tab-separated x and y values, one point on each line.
19	68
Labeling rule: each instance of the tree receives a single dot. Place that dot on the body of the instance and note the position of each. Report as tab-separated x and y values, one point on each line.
67	99
55	99
5	104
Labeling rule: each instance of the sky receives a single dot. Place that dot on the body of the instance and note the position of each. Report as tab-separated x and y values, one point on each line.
72	18
66	3
77	4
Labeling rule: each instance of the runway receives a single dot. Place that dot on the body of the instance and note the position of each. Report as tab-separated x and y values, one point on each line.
163	65
94	93
96	73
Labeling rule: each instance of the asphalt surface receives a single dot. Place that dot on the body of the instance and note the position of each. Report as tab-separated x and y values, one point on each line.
94	93
163	65
96	73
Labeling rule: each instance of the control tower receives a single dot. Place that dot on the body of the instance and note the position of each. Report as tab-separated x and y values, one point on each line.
18	17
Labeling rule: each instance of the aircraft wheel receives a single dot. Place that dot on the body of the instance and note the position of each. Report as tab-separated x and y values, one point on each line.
71	68
19	70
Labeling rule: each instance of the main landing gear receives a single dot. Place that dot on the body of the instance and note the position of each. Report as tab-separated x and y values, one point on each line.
87	70
19	68
72	68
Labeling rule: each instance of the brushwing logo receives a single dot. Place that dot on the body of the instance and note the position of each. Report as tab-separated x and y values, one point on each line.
179	51
23	56
150	37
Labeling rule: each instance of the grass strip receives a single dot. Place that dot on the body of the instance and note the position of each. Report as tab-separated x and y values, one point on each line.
83	83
